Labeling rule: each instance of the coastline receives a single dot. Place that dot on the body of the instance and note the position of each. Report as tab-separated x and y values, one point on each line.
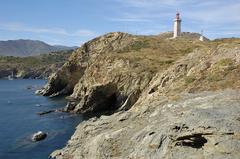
154	96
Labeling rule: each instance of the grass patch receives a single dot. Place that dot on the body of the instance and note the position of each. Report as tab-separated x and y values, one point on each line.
225	62
136	46
190	79
154	53
225	66
214	77
168	62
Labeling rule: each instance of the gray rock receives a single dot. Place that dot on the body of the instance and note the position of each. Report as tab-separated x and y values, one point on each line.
39	136
203	125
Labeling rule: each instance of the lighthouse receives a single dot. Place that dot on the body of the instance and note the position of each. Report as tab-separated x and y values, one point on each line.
201	37
177	26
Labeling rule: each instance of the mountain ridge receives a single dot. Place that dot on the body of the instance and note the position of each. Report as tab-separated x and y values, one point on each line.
27	47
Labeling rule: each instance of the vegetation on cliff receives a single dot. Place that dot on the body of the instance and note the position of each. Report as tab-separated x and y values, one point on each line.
165	98
122	64
114	70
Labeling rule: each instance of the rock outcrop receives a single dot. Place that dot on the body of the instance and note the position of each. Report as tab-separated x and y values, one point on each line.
165	98
63	81
202	125
113	69
39	136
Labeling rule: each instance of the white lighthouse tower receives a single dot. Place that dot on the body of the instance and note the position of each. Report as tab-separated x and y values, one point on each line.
177	26
201	36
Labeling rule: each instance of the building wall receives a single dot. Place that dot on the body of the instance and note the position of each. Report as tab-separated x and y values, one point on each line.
177	28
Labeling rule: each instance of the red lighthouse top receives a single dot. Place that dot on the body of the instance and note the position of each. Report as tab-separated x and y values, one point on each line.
178	16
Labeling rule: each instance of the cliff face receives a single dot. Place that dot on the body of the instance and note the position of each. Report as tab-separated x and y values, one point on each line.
63	81
168	98
111	71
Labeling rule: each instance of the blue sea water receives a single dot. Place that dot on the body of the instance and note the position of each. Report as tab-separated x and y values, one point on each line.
19	120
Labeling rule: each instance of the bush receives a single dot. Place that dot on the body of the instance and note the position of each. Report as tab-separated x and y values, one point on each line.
225	62
135	46
190	79
214	77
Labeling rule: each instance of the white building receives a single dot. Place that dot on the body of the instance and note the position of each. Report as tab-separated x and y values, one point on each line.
177	26
201	37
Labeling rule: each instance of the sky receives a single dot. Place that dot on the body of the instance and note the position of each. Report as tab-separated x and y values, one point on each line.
73	22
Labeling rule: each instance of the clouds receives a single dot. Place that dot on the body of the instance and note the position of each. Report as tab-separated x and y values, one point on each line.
52	36
218	12
216	16
129	19
19	27
83	20
204	10
151	3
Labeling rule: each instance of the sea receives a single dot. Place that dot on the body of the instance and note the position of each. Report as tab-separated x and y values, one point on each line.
19	121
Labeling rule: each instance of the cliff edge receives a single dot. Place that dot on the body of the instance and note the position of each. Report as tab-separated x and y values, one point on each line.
164	98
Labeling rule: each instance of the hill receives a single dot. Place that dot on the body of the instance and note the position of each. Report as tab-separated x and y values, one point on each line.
154	96
22	48
40	66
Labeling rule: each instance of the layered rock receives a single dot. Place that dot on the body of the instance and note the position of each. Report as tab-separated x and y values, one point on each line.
202	125
108	83
64	80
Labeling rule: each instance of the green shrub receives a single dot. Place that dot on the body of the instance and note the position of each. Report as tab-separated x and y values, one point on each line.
190	79
214	77
135	46
225	62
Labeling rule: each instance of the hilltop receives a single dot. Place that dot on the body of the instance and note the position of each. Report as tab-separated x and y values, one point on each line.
23	48
155	97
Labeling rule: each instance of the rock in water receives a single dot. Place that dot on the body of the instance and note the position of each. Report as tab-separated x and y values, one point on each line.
39	92
46	112
39	136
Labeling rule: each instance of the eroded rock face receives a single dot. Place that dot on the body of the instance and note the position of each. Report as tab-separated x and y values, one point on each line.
203	125
64	80
96	79
189	109
114	59
109	82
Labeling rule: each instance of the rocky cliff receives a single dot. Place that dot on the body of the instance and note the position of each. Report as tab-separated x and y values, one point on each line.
114	68
165	98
